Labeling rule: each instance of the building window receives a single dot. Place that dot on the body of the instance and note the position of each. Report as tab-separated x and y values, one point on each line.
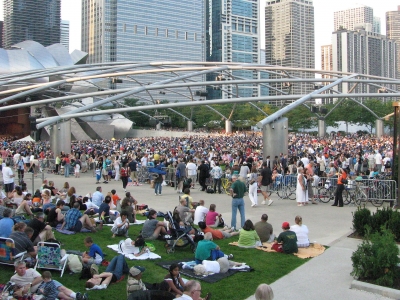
134	29
124	28
166	32
145	30
156	32
186	35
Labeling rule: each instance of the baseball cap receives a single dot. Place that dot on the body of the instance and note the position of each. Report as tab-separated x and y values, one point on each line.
285	225
136	270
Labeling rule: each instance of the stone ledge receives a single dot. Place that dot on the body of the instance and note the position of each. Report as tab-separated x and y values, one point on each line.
376	289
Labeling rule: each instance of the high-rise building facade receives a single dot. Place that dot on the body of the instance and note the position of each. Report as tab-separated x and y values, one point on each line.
393	32
326	59
363	52
64	38
289	39
37	20
143	31
233	36
1	34
351	18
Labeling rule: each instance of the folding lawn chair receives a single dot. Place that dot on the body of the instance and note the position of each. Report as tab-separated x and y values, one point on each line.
49	257
8	253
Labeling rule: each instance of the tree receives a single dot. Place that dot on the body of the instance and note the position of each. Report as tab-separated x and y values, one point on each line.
301	118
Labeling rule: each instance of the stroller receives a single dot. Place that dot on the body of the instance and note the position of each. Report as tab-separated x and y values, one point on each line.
179	237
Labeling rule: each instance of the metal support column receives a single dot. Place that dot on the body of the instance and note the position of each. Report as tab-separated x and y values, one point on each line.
379	128
158	126
321	127
228	126
275	138
60	137
189	125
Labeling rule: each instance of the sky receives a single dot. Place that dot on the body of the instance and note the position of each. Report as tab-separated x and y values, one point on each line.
323	10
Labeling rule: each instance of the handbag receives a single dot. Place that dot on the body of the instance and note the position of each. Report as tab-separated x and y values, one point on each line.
345	181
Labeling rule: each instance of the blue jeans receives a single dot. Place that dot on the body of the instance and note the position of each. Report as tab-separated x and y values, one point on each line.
157	187
66	170
118	266
237	203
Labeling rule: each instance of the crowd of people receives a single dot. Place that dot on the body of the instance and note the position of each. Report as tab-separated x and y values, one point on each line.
238	157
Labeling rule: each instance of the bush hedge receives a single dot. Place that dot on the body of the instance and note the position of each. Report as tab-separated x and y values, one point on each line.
385	218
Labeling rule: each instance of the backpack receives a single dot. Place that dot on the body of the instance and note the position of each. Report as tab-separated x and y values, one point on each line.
210	190
388	164
123	172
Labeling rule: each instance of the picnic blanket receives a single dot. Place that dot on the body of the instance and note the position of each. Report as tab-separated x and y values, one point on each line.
137	222
210	278
65	231
312	251
144	256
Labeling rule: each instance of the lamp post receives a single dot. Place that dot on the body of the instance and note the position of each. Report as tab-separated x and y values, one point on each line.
396	146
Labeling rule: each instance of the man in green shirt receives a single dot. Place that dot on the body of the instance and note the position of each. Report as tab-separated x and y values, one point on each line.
238	188
288	239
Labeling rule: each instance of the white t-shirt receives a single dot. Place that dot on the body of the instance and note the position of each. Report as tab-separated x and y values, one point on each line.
199	214
378	158
7	173
118	221
26	279
192	169
301	233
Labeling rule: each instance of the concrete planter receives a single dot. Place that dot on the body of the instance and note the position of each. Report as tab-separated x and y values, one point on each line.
376	289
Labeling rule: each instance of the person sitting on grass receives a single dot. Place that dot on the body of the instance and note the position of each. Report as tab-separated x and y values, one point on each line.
301	231
213	218
248	237
74	220
21	236
95	255
207	250
42	231
55	215
152	228
121	225
286	241
174	280
114	273
52	289
217	234
104	212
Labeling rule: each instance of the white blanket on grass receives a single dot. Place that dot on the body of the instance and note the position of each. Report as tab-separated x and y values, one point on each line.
130	255
137	222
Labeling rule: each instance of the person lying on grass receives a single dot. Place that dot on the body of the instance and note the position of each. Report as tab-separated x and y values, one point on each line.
114	273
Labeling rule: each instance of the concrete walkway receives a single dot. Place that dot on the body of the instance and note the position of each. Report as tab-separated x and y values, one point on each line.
324	277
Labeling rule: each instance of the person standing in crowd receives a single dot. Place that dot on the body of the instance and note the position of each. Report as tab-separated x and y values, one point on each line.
133	169
203	174
181	168
253	186
264	181
238	188
192	172
8	180
123	173
340	188
216	174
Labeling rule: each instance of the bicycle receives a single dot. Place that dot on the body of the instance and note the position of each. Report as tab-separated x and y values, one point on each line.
226	185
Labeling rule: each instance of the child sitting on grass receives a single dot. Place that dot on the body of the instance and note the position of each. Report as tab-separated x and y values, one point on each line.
95	255
52	289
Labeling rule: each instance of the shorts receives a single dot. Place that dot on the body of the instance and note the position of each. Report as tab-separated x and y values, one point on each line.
134	175
264	188
77	227
193	177
9	187
97	260
152	237
226	234
28	165
104	172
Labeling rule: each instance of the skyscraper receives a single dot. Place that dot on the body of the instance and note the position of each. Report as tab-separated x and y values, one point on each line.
363	52
37	20
64	39
393	32
233	36
143	30
351	18
289	38
1	34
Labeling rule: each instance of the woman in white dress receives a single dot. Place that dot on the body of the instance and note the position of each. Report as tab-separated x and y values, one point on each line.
301	191
253	182
301	232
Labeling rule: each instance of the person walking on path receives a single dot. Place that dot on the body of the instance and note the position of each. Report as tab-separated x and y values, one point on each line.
264	181
237	190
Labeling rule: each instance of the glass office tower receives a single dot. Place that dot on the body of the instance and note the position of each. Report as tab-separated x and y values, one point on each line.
143	31
37	20
233	36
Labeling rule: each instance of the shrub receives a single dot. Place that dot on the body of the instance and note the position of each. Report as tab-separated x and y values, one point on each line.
361	218
394	225
376	258
380	218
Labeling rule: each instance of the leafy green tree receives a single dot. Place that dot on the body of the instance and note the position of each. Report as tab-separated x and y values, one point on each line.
301	118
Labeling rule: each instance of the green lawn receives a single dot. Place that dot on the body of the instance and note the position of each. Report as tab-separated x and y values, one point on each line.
268	267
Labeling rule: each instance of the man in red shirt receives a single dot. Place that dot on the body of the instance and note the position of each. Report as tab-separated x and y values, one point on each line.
217	234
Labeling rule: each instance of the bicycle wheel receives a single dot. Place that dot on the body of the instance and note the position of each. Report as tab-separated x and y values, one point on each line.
282	192
324	195
291	192
377	202
360	197
346	197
